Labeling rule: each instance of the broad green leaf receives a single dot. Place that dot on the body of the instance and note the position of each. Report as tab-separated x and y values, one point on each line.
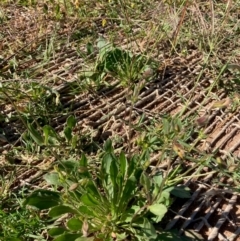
158	209
74	224
114	172
147	229
181	191
52	178
60	210
71	122
85	211
53	232
123	164
43	199
67	237
108	146
106	163
164	198
89	200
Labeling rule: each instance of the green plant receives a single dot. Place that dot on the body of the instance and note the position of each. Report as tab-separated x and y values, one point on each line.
119	64
115	199
19	223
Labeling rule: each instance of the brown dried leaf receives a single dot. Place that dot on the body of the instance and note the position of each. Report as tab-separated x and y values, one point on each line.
85	228
202	121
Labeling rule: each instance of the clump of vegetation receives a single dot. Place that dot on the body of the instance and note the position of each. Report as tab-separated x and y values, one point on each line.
118	200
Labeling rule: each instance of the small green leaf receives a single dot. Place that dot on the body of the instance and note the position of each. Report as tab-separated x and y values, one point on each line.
74	224
61	209
158	209
101	42
89	48
53	232
83	161
145	181
50	135
36	136
52	178
71	122
43	199
181	191
68	133
164	198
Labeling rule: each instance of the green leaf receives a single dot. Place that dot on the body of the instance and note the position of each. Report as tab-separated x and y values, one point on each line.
71	122
181	191
61	209
89	200
89	48
127	193
43	199
69	166
145	181
92	190
36	136
67	237
83	161
85	211
108	146
52	178
53	232
101	42
147	229
106	163
74	224
123	164
113	172
50	135
68	133
164	198
159	210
